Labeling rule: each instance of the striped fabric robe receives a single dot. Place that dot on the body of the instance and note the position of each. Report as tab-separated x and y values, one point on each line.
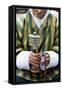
49	41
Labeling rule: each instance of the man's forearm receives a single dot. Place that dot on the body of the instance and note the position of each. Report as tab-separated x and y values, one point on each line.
22	61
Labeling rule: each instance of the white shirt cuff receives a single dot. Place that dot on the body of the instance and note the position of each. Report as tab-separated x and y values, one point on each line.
22	60
54	58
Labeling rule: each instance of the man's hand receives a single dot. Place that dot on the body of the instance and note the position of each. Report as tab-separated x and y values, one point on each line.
46	58
34	59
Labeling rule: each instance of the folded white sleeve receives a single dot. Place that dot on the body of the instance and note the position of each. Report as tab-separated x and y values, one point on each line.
54	59
22	60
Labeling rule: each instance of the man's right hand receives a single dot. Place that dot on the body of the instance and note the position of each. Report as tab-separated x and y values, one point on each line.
34	59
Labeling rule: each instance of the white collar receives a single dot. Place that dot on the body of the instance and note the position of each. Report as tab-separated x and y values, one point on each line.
37	20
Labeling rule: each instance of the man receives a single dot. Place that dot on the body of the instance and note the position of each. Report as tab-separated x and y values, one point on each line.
44	23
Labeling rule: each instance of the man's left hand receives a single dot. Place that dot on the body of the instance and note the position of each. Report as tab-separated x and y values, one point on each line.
46	58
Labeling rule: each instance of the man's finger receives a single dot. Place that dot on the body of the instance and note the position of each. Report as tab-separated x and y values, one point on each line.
46	55
47	59
34	64
36	55
35	58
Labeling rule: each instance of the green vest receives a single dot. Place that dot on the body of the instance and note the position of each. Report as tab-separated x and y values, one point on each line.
49	41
